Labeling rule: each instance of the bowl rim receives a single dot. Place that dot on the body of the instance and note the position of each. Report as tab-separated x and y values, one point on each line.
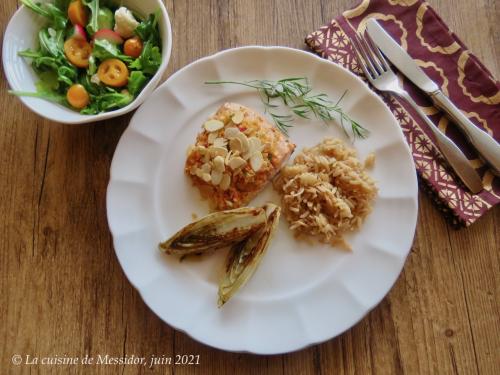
166	36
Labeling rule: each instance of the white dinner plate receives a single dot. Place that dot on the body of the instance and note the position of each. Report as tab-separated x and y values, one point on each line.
302	293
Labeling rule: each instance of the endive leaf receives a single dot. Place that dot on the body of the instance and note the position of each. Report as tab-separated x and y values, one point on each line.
244	257
215	231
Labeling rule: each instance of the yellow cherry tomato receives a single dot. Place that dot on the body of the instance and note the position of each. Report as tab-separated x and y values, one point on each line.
77	13
78	52
113	72
77	96
133	47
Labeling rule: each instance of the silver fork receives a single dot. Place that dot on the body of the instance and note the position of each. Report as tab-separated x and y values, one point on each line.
380	74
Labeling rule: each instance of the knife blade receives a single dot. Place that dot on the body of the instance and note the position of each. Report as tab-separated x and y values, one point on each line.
486	145
399	57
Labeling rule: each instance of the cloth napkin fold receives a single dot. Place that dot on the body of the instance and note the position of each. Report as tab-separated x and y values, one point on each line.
461	76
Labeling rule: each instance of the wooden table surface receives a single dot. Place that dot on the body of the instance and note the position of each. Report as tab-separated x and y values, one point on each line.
63	292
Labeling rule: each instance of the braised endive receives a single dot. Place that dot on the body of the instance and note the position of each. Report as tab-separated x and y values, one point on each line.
244	257
214	231
247	230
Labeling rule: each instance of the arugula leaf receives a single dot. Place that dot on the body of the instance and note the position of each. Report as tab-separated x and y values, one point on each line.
92	69
48	81
107	101
150	59
136	82
67	74
42	63
114	100
59	17
62	5
92	88
104	49
148	29
43	92
56	16
51	41
93	24
30	53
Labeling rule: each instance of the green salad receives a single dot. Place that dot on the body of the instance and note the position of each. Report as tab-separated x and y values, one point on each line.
93	56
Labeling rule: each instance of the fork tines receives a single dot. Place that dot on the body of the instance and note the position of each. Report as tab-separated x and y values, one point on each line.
369	56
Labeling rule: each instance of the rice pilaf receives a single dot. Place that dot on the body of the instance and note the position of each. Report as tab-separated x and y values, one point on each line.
326	192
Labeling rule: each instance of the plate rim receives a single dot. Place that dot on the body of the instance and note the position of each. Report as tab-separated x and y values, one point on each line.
371	93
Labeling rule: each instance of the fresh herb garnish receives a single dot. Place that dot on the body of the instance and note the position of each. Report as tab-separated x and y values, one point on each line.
296	94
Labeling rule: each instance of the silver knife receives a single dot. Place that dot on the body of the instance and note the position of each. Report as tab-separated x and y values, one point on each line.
486	145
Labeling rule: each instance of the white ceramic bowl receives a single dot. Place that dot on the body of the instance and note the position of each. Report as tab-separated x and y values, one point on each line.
22	33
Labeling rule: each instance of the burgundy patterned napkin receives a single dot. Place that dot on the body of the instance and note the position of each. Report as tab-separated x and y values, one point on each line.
461	76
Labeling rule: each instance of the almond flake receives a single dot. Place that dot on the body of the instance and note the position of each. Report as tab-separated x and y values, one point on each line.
247	155
256	161
237	117
220	142
218	164
225	182
235	144
218	151
201	149
228	157
213	125
244	142
255	145
206	177
236	163
212	137
231	132
216	177
206	168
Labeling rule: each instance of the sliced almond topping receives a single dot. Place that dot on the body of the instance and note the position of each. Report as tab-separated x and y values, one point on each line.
201	149
256	161
206	168
193	170
213	125
255	145
228	157
212	137
220	142
247	155
235	144
231	132
237	117
244	142
216	177
206	177
225	182
218	151
236	163
219	164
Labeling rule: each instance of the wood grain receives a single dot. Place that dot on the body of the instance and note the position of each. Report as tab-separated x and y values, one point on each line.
63	291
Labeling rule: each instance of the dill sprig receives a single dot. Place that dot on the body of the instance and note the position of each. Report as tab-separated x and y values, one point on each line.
296	94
